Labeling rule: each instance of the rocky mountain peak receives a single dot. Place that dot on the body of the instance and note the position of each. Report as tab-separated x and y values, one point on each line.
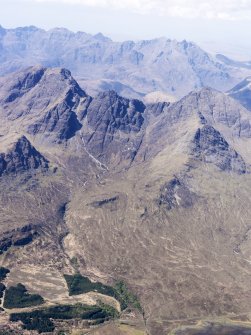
43	101
209	146
217	109
102	38
112	126
116	112
22	156
206	121
16	86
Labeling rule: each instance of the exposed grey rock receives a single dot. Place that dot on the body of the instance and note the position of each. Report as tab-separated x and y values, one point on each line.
26	81
54	109
211	147
157	108
113	126
21	157
178	122
213	108
18	237
111	112
113	129
84	107
176	194
48	98
60	119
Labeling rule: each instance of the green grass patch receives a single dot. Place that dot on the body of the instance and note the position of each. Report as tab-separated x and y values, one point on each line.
34	321
78	284
80	311
128	298
109	310
42	319
3	273
18	297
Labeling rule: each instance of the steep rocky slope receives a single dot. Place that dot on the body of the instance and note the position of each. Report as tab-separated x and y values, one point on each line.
22	156
131	68
156	196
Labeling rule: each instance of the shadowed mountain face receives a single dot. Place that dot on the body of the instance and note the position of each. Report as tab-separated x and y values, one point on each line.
131	68
112	126
211	147
54	92
156	196
21	157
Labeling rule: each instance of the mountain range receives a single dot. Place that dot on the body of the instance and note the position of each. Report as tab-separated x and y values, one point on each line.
132	69
153	195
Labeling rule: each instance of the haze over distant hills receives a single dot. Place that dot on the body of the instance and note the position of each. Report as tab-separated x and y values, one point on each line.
132	69
242	92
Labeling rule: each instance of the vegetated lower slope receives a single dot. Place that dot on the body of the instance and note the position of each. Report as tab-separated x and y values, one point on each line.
131	68
156	196
17	296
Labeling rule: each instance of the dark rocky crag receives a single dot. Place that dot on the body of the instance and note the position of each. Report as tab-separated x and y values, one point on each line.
22	157
211	147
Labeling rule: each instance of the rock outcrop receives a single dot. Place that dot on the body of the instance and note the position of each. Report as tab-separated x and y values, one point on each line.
210	147
44	101
18	237
112	126
21	157
176	194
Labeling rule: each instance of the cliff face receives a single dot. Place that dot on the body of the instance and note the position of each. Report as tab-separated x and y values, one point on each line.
21	157
211	147
112	127
43	101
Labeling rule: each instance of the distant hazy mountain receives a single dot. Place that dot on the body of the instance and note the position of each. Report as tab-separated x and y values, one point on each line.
242	93
157	96
234	63
131	68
